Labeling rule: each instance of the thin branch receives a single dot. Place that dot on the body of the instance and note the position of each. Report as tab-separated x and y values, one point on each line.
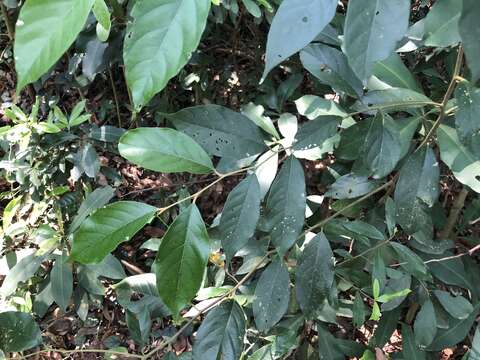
115	96
10	29
457	207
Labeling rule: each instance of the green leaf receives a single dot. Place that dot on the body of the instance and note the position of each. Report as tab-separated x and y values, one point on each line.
313	106
316	137
370	33
417	190
425	325
381	149
295	25
394	99
457	306
359	311
474	353
272	295
464	165
96	199
410	261
252	8
411	350
351	186
44	31
384	298
221	333
18	331
256	114
470	33
220	131
286	205
181	259
164	150
139	325
392	72
21	272
61	279
314	275
240	216
386	326
331	67
451	272
100	10
159	42
107	227
441	23
456	332
466	117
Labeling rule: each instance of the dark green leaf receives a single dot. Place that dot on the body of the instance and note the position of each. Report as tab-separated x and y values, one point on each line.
286	205
410	347
417	190
220	131
221	333
164	150
456	306
351	186
272	295
370	33
314	275
181	259
314	138
410	261
466	117
18	331
392	72
359	311
240	216
295	25
441	23
470	33
425	324
107	227
62	282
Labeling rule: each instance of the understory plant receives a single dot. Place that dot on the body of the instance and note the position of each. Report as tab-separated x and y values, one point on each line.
349	173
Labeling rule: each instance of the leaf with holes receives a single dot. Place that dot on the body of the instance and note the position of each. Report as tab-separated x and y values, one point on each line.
240	216
466	117
18	331
370	33
286	204
272	295
295	25
221	333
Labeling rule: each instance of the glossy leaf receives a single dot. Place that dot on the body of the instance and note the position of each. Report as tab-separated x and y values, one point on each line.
464	165
240	215
313	106
316	137
286	205
395	99
221	333
272	295
392	72
370	33
18	331
314	275
295	25
107	227
220	131
51	26
164	150
159	42
181	259
410	261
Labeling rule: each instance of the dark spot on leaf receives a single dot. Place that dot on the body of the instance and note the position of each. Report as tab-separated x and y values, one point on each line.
305	19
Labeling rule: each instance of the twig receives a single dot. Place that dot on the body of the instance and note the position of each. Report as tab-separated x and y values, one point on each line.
10	29
457	207
448	94
115	96
67	352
